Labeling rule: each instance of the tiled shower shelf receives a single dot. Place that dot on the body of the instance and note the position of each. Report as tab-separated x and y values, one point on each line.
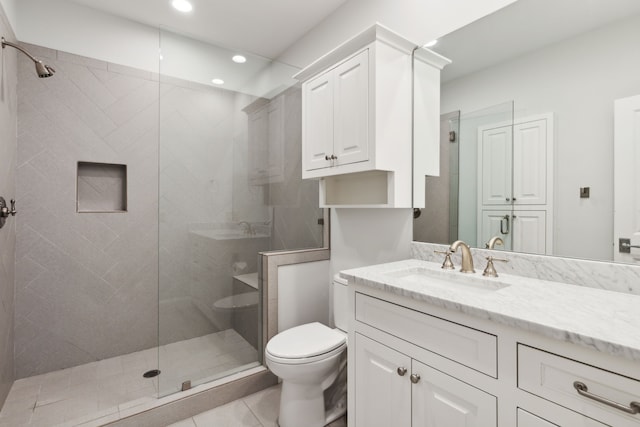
101	187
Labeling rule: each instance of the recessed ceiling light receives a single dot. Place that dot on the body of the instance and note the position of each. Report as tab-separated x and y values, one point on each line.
239	59
217	81
431	43
182	5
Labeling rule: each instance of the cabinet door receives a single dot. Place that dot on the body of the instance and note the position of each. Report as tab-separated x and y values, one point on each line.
439	400
383	397
495	223
317	123
494	165
351	115
258	141
530	163
529	232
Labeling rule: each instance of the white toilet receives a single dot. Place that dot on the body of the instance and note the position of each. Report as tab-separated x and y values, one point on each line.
309	358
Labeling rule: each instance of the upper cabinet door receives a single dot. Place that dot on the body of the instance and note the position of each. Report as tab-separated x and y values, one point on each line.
495	165
530	163
317	123
351	114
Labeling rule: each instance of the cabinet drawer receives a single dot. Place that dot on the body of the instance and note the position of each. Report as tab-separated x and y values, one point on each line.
462	344
527	419
552	377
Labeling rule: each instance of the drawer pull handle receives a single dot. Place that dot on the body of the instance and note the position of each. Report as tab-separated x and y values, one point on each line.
581	388
401	371
415	378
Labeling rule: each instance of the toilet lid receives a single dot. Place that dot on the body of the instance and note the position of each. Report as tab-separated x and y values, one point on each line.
304	341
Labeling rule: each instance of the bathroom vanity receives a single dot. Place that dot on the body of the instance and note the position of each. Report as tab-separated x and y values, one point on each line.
430	347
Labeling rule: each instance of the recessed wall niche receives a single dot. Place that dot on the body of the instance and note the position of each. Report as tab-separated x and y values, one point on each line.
101	187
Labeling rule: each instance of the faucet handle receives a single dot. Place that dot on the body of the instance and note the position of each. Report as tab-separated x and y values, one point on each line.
447	264
490	270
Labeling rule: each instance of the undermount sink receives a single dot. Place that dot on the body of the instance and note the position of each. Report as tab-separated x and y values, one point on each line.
447	279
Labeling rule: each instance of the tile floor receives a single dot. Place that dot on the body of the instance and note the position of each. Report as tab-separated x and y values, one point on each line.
257	410
73	396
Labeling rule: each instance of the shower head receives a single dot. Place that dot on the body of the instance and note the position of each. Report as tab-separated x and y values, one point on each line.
41	69
44	70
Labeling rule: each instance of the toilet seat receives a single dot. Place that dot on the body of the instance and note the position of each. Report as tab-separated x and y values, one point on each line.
306	344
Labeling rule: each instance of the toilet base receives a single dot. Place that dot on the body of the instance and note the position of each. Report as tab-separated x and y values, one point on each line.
306	402
301	402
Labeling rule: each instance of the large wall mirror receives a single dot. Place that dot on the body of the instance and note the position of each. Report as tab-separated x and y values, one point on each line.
540	132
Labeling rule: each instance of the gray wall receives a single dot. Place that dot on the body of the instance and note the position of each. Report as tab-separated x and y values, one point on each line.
8	121
86	283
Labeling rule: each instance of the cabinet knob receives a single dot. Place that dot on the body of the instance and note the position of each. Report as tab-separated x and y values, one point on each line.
415	378
334	157
327	157
401	371
508	199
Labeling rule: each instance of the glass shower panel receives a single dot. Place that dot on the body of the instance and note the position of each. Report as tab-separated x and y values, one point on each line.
485	175
230	188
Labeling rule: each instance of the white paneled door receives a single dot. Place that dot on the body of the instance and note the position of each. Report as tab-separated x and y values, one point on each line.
627	178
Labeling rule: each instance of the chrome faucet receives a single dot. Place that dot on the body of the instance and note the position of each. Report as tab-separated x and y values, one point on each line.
467	258
249	228
495	240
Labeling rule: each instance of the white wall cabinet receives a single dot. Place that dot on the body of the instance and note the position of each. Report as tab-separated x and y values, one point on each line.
337	103
415	364
515	175
357	120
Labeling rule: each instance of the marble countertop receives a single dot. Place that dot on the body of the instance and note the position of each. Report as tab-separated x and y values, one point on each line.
602	320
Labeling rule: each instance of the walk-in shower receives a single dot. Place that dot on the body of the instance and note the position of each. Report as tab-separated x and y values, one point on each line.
145	197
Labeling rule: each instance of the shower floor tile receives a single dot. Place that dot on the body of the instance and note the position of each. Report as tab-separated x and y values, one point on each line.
78	395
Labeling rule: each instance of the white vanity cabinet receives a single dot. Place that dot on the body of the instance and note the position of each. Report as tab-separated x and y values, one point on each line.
357	119
401	388
412	363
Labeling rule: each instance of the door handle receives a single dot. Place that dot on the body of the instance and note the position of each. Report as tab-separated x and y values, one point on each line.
502	228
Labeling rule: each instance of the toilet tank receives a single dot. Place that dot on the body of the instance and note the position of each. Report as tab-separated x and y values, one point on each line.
340	302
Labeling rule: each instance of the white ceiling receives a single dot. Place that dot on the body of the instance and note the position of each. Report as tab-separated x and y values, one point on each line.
262	27
525	26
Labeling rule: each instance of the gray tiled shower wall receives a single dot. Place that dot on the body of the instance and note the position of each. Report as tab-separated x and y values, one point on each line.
8	159
86	285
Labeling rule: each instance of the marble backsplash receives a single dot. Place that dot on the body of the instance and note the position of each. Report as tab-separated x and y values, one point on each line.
623	278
